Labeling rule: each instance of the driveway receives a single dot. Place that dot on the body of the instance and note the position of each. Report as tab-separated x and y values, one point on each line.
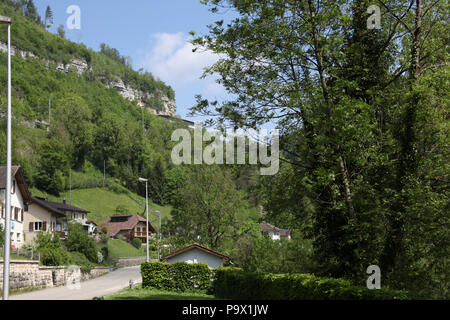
104	285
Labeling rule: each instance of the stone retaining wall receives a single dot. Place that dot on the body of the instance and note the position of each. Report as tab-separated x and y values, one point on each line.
130	262
28	274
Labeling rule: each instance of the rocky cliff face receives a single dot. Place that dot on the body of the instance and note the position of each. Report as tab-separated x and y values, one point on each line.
168	107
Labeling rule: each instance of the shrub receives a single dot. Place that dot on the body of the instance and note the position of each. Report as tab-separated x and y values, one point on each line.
233	283
137	243
178	276
79	241
80	260
105	253
53	257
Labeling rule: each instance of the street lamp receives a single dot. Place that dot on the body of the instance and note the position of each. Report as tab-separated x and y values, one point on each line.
159	249
6	20
146	206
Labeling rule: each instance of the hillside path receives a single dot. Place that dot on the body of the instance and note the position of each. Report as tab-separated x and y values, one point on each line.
102	286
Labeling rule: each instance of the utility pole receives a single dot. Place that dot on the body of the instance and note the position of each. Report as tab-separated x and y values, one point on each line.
6	259
146	208
49	111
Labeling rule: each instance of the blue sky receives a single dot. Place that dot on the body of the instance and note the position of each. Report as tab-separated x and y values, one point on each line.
154	33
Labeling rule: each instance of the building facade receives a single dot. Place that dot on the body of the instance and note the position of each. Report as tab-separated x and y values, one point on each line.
20	199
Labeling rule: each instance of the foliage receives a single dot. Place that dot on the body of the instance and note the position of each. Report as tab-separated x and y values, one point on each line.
50	249
137	243
207	206
78	240
178	276
78	259
361	113
233	283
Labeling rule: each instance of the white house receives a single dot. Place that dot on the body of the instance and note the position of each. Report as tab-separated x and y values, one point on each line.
197	254
274	232
20	198
47	216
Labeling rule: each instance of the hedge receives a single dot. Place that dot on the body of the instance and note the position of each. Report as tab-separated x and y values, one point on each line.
233	283
178	276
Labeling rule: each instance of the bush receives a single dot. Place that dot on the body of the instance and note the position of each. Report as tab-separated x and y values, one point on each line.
80	260
79	241
233	283
105	253
137	243
53	257
178	276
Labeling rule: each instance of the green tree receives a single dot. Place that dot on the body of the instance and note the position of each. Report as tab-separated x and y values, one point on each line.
53	167
61	31
206	210
79	241
48	17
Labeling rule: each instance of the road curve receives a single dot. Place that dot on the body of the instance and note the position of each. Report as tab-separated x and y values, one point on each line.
104	285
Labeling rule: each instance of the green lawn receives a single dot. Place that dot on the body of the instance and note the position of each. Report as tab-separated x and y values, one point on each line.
102	203
152	294
122	249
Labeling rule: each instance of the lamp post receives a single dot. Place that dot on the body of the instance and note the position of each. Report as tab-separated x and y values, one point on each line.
146	206
6	20
159	249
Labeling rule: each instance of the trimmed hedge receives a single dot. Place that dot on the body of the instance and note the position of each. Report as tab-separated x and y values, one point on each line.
233	283
178	276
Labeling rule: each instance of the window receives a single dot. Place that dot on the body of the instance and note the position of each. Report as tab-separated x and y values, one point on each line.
19	237
58	227
13	187
37	226
75	216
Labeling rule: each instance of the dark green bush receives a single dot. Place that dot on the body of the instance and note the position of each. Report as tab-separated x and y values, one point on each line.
53	257
178	276
78	259
233	283
137	243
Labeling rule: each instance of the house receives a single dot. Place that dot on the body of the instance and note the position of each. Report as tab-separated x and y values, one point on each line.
47	216
130	227
92	226
197	254
274	232
20	198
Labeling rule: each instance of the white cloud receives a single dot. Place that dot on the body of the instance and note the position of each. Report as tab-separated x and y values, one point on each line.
171	59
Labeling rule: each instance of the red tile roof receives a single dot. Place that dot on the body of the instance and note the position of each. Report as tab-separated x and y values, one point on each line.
196	246
129	223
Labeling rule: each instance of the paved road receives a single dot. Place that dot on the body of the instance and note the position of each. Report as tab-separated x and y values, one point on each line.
104	285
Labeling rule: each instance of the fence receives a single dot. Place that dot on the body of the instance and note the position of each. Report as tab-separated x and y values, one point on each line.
22	254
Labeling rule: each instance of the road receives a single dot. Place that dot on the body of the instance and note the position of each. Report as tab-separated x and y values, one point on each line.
104	285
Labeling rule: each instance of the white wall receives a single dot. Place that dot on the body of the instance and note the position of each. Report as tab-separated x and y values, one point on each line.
197	256
16	226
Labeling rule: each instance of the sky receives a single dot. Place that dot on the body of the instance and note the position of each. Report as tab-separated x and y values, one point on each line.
154	33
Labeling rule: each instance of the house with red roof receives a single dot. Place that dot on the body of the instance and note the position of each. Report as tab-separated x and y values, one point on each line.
130	227
197	254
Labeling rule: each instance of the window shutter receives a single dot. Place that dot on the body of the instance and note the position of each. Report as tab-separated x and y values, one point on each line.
31	227
21	215
44	226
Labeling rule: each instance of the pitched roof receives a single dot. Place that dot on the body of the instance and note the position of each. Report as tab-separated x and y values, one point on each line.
195	246
128	223
268	227
56	207
16	172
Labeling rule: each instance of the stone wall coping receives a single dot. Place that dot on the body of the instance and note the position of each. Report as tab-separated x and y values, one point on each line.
22	262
